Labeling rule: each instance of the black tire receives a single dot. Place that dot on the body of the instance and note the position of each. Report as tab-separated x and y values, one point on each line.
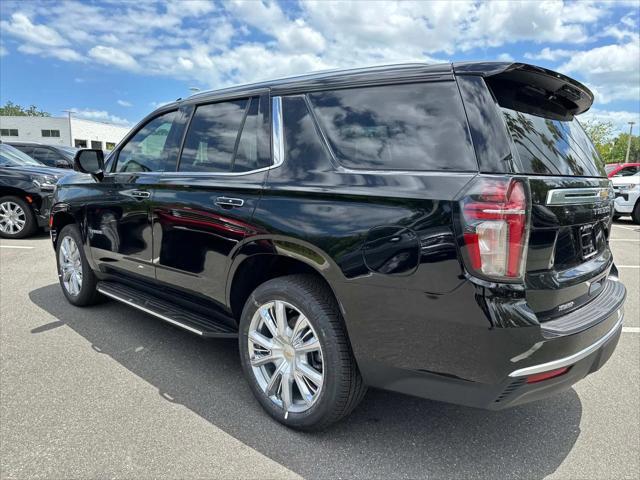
30	223
87	295
343	387
635	216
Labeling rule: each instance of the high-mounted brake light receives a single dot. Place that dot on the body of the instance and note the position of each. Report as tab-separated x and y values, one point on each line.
495	225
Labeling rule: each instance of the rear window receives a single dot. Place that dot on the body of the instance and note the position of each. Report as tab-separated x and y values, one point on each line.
397	127
539	114
547	146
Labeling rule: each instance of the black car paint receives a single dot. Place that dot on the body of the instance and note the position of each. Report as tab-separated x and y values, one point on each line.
417	321
19	181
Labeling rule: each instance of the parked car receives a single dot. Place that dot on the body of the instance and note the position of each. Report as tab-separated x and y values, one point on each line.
26	188
58	156
609	167
624	170
436	230
627	191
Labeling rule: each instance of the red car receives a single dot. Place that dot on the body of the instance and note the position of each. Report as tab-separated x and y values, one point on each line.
622	169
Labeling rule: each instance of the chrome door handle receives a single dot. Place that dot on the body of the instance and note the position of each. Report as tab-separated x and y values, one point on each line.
229	202
140	194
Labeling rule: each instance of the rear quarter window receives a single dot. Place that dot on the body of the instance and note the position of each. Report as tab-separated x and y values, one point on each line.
397	127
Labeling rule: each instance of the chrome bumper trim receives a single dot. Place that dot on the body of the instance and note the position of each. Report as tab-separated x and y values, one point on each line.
570	360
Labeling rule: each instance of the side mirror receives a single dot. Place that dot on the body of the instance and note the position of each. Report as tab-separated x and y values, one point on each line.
89	161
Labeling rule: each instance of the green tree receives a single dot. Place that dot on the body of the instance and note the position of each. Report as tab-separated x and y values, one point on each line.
13	109
601	134
619	149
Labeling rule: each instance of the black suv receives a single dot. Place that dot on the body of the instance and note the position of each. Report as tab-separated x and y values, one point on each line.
436	230
26	190
51	155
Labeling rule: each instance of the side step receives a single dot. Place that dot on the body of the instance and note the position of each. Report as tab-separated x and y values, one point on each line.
171	313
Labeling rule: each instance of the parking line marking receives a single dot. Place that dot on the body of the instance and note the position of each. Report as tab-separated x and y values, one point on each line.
630	329
15	246
633	229
628	266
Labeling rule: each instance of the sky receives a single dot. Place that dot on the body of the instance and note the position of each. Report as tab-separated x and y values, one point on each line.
116	61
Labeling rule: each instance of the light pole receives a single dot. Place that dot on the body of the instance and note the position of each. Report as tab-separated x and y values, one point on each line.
69	112
626	159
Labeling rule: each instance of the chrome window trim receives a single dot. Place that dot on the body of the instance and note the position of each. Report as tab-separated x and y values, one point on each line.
571	359
577	196
277	132
277	148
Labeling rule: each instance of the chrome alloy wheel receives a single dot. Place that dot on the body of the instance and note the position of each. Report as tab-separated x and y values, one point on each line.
12	218
286	356
70	266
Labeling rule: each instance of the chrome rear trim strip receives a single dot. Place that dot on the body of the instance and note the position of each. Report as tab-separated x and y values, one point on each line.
570	360
577	196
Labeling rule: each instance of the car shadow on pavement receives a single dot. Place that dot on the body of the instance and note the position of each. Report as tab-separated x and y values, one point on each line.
388	436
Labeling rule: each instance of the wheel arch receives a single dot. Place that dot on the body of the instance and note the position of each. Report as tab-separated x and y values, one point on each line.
268	258
60	217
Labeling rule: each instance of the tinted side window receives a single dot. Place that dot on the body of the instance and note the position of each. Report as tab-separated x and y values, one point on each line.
149	149
43	155
24	148
302	144
397	127
212	137
254	147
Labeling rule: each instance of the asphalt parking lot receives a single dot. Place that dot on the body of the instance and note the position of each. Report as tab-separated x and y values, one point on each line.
108	391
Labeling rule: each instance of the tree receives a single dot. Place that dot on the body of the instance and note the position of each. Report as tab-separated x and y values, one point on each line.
612	149
619	149
601	134
13	109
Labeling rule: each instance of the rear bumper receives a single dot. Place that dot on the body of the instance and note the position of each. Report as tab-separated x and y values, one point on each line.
583	349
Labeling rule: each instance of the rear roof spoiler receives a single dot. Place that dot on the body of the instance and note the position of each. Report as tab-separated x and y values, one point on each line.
554	84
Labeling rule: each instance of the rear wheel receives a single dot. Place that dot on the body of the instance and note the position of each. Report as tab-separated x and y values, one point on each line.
296	355
77	280
17	219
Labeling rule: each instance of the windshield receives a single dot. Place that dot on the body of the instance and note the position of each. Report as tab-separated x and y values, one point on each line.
12	157
552	147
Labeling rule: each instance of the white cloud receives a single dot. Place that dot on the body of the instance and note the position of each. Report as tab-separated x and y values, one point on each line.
21	27
66	54
550	54
611	71
113	56
619	119
124	103
505	57
3	51
99	116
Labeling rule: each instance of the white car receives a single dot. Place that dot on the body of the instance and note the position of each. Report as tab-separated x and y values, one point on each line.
627	200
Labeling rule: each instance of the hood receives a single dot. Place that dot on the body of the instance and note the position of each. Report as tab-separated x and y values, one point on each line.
630	180
37	170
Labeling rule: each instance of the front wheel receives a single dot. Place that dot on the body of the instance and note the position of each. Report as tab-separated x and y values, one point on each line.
77	280
296	355
17	219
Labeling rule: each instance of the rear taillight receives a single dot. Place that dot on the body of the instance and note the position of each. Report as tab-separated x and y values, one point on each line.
495	224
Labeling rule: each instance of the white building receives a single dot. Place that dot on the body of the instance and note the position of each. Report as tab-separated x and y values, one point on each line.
72	131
